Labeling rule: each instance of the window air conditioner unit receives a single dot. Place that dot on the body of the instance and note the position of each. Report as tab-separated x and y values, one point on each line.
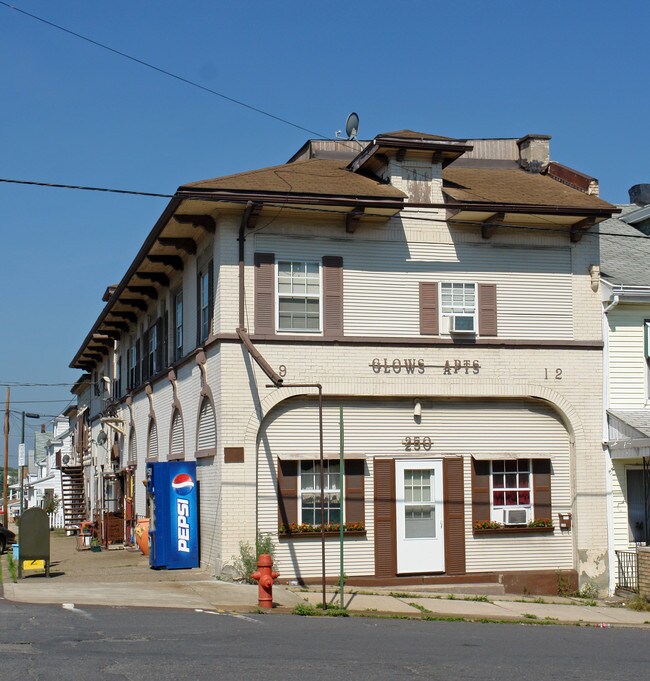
462	324
515	516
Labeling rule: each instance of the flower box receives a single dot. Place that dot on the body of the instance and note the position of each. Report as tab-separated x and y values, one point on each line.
305	530
514	529
317	535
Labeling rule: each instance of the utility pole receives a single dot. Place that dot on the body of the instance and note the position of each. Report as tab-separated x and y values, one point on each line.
22	467
5	509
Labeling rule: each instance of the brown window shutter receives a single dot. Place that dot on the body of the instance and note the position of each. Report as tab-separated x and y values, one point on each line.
332	295
542	488
264	293
165	350
210	296
385	527
487	309
454	495
287	492
354	491
145	356
159	343
138	363
198	308
429	314
480	490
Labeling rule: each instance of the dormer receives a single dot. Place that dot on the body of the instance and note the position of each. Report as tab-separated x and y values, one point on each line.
410	161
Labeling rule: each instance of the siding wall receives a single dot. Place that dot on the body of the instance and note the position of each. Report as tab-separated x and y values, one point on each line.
534	287
377	428
628	371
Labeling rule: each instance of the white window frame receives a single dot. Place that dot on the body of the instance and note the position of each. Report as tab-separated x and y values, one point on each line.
446	318
318	296
316	490
497	511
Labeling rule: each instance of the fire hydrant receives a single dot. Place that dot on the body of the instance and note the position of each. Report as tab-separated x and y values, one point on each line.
265	575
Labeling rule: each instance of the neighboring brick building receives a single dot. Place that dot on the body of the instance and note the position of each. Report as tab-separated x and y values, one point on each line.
441	293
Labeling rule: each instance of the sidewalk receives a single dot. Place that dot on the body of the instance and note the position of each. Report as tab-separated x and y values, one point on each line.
122	578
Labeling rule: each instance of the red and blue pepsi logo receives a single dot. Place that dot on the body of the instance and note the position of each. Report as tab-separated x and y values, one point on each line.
183	484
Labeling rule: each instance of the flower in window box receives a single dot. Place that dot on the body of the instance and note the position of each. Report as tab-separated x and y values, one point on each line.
541	522
487	525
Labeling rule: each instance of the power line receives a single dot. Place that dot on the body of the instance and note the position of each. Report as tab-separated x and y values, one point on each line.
283	206
17	384
38	401
84	188
158	69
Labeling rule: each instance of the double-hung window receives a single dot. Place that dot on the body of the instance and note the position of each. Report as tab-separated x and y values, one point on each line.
458	307
299	296
309	506
511	491
178	325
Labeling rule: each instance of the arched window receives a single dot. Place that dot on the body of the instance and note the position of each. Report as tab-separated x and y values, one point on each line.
133	448
177	439
152	440
206	437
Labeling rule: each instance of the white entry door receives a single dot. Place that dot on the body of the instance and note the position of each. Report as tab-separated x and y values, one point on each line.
418	499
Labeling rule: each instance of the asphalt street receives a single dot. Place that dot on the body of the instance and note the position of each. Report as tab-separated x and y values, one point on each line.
99	643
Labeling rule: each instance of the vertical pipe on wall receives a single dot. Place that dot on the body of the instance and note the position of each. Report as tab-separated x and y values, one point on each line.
322	492
342	505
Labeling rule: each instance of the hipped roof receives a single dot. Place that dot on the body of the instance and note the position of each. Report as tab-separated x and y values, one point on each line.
313	176
514	186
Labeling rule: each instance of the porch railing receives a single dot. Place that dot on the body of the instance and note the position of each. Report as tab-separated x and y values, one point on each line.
628	571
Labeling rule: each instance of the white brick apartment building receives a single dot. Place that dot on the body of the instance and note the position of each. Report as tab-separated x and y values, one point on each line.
442	292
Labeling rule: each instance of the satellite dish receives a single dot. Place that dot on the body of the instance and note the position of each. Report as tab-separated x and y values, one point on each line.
66	459
352	126
102	437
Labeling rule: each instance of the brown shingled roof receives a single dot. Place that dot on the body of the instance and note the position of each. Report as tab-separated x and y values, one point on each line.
413	135
314	176
513	186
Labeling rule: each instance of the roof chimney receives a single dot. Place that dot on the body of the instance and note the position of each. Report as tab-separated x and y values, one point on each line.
534	152
640	194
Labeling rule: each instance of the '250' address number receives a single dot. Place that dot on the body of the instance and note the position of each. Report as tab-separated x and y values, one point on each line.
415	444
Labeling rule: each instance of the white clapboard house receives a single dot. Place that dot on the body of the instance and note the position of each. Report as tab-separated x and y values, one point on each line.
444	295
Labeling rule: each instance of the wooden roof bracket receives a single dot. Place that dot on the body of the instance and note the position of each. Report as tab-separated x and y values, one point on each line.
184	244
134	302
488	227
205	222
173	261
578	229
147	291
352	219
122	314
156	277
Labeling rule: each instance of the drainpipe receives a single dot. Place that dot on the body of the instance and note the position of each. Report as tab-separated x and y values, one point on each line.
242	332
609	500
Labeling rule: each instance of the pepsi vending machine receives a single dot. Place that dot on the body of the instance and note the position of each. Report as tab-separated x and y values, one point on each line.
174	524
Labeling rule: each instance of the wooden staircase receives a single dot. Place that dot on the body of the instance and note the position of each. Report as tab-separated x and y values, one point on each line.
74	501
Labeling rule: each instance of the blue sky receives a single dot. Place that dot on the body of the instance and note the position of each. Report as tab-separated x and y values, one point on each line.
76	114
